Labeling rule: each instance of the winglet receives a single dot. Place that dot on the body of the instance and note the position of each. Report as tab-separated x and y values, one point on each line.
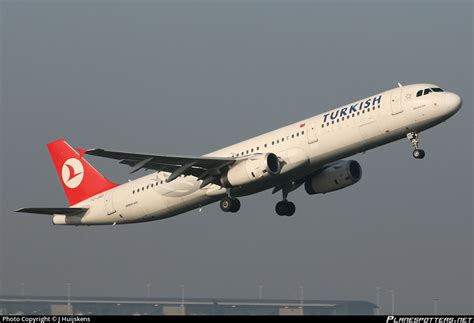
81	151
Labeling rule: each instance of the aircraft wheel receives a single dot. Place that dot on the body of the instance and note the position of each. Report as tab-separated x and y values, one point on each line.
291	208
226	204
280	208
419	153
230	205
285	208
235	206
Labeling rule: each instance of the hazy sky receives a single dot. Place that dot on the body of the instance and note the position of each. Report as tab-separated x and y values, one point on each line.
176	77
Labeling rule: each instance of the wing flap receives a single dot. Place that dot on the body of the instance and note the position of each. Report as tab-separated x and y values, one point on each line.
54	210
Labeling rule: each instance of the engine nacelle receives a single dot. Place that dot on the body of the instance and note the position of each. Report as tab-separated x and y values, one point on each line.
339	175
256	167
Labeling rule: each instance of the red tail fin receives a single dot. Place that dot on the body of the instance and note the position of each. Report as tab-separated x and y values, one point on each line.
79	179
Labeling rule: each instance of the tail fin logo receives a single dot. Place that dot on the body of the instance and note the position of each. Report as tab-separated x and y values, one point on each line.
72	172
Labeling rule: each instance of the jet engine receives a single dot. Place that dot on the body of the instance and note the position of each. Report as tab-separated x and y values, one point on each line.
254	168
338	175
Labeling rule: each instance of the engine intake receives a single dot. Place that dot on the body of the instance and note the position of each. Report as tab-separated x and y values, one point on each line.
256	167
339	175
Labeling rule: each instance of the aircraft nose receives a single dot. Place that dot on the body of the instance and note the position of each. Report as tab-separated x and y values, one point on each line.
452	102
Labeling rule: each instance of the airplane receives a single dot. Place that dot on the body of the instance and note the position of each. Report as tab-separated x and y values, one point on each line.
309	152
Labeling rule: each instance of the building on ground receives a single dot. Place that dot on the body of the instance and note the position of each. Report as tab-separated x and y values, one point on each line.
43	305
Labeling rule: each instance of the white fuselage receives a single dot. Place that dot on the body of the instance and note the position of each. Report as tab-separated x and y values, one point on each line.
304	147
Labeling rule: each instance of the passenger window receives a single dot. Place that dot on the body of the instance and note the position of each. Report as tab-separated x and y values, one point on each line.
297	134
251	150
293	136
302	132
282	139
278	141
273	142
247	151
133	192
426	91
265	146
258	147
419	93
322	126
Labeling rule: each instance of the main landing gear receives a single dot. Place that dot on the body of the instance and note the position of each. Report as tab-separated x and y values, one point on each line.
285	207
417	153
229	204
282	208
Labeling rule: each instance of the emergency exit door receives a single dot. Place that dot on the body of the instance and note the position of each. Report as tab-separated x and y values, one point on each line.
109	203
312	133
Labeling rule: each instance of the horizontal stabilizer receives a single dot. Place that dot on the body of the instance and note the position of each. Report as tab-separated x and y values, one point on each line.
54	210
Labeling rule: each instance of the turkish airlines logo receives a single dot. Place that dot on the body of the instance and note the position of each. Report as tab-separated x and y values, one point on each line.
72	173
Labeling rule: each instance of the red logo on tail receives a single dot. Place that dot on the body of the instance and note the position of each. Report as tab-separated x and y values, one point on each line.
72	172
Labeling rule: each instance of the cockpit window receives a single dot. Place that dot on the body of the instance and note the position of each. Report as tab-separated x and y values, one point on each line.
428	91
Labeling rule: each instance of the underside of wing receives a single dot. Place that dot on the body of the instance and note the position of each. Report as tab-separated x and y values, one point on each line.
54	210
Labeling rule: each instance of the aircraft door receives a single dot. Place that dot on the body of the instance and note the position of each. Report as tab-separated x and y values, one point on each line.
396	102
312	134
109	203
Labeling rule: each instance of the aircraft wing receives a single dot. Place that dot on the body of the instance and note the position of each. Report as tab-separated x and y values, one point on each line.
54	210
204	168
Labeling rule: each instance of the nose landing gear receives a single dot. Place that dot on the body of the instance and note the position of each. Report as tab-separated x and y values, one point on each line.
417	153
